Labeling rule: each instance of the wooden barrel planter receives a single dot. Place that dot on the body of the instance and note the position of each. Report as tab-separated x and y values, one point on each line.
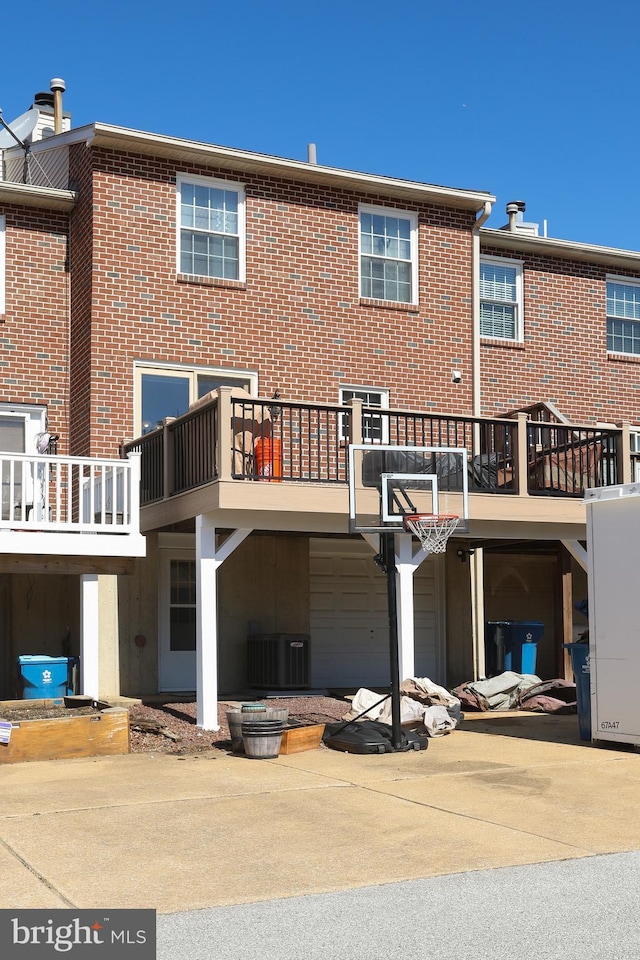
262	738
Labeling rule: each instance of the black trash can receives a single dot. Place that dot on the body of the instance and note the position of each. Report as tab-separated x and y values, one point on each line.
495	637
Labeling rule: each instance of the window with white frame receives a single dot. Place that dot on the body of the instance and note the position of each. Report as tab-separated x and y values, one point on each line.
623	316
2	264
388	255
501	310
166	391
211	228
374	427
634	438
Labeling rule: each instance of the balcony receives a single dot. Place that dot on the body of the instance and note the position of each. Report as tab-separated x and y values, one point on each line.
212	459
72	506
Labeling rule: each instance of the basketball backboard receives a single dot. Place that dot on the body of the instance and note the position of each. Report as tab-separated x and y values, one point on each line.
388	482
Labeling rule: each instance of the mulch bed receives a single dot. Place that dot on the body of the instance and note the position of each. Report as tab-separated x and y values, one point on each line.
178	733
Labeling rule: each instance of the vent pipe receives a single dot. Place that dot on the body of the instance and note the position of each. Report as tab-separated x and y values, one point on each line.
311	153
58	87
515	209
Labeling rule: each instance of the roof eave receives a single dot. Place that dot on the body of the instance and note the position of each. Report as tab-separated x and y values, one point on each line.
552	247
244	161
28	195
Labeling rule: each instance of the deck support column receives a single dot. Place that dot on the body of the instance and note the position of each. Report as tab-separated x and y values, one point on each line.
89	635
208	559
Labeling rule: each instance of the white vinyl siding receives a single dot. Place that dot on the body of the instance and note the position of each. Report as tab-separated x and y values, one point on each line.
388	255
501	299
211	228
623	316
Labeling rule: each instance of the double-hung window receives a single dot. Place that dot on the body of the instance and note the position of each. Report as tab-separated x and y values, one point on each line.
211	228
388	255
623	316
501	310
374	427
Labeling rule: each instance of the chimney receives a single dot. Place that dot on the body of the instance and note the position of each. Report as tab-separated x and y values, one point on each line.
311	153
58	87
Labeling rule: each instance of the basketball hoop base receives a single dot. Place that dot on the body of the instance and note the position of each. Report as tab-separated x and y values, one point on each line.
432	529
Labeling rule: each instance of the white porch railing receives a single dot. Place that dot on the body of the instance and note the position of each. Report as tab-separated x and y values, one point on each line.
70	494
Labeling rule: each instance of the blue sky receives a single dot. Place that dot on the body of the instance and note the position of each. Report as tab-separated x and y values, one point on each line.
534	101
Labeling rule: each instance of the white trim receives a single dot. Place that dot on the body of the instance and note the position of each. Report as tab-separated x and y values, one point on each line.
519	301
384	405
182	662
412	217
627	282
154	144
232	186
3	263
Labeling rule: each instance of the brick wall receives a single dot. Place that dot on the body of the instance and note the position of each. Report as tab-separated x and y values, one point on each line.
34	332
564	355
297	320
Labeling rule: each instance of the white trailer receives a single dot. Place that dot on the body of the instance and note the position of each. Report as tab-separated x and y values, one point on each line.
613	549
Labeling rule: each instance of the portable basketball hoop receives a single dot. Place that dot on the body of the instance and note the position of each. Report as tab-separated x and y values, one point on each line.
432	529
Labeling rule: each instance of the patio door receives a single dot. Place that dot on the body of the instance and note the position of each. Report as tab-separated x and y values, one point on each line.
177	621
20	425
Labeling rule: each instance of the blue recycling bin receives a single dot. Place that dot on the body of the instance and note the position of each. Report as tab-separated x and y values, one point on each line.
46	677
521	645
580	664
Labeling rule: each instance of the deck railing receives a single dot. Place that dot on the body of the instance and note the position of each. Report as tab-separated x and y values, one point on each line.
563	460
244	439
69	494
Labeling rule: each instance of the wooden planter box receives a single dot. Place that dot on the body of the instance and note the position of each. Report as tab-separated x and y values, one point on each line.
100	734
297	739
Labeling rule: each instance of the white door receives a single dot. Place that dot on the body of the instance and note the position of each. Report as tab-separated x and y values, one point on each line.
349	620
177	621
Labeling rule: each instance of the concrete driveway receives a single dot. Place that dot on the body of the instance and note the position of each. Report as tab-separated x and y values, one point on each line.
217	829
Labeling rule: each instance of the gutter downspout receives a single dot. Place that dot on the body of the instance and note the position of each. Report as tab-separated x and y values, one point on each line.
475	295
476	560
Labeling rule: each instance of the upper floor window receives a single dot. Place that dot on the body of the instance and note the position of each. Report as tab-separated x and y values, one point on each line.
388	255
623	316
165	391
211	228
2	264
501	299
374	427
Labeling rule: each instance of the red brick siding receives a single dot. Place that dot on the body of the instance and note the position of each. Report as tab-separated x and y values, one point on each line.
81	260
34	333
297	321
564	356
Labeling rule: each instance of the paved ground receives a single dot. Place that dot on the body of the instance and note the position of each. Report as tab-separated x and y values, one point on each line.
219	830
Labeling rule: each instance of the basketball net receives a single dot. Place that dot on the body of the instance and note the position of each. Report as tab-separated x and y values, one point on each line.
432	530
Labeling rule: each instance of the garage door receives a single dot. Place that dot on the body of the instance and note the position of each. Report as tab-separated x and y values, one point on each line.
349	623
